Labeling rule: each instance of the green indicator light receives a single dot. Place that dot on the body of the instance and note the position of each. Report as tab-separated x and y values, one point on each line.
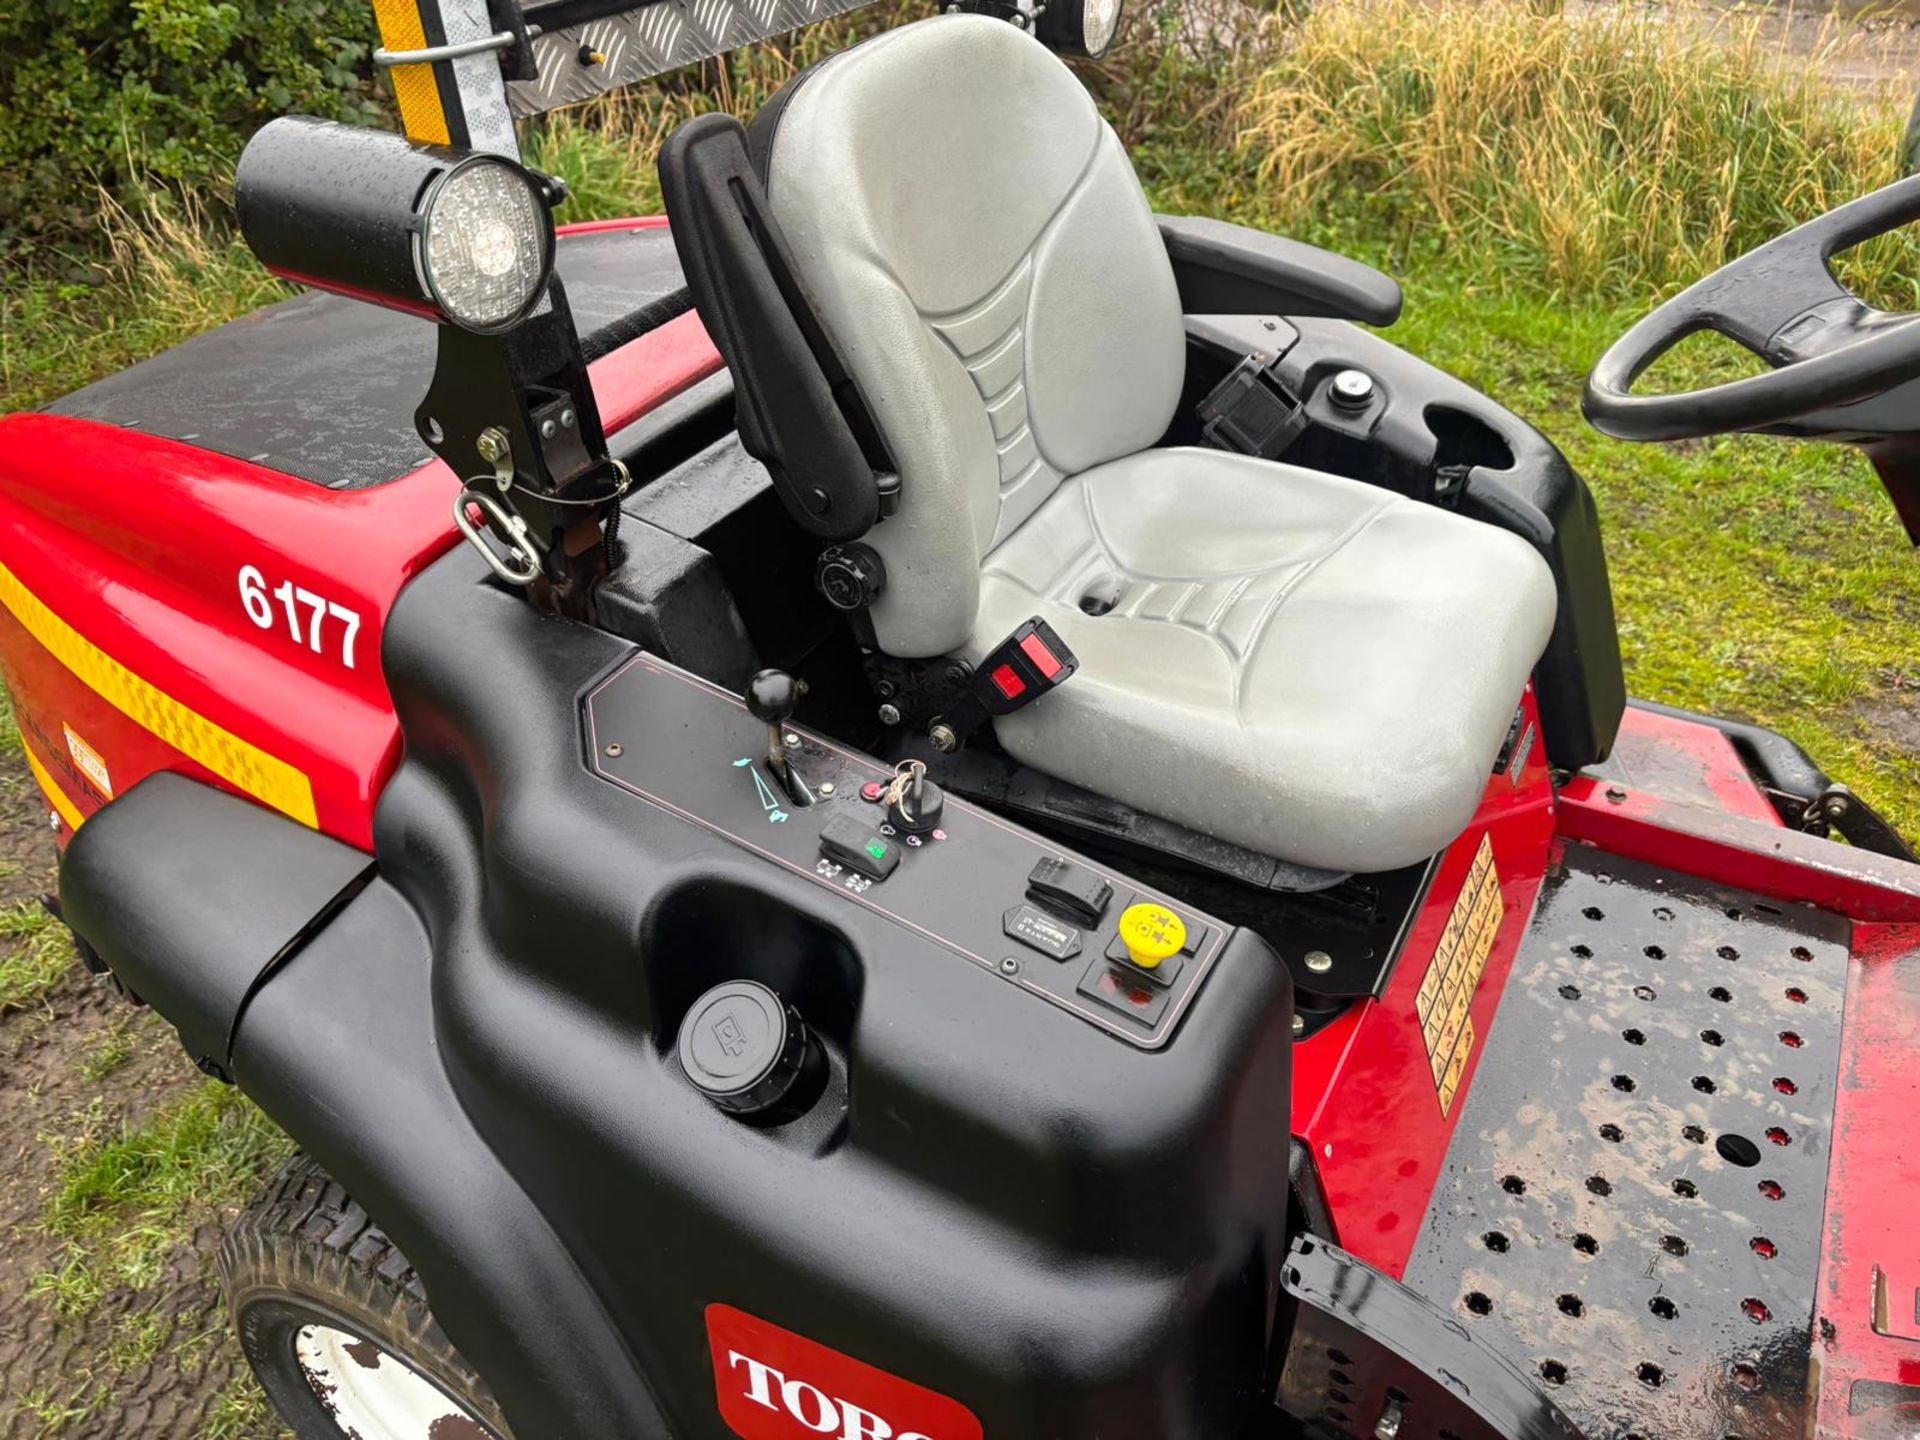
877	849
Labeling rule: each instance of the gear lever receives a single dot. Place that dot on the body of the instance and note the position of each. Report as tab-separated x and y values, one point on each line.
772	696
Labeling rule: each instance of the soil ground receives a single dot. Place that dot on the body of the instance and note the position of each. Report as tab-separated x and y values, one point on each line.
1876	43
149	1360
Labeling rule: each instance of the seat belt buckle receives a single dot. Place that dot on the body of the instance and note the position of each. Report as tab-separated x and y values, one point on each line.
1251	412
1015	673
1023	667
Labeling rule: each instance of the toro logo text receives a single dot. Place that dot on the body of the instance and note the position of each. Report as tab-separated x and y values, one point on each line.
775	1385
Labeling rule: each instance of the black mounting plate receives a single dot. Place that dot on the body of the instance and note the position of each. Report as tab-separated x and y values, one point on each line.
1370	1359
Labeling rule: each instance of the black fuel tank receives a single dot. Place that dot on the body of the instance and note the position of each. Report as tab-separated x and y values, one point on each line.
1010	1201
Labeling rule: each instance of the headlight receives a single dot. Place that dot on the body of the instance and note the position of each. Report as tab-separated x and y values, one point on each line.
485	242
367	213
1079	27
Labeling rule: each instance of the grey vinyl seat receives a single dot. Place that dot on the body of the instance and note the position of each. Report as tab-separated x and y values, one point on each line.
1308	666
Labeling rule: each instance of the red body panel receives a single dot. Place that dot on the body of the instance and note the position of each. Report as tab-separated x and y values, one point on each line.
143	559
132	549
1868	1327
1729	850
775	1385
1687	763
1364	1094
1365	1101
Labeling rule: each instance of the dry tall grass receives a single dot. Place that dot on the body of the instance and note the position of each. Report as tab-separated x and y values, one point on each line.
1597	158
1627	150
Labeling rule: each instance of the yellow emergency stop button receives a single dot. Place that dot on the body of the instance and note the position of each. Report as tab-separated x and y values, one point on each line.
1151	933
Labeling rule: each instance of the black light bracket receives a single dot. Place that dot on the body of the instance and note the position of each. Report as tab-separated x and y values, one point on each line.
1017	12
514	416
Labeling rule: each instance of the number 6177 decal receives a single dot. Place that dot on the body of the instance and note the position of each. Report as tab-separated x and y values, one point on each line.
312	620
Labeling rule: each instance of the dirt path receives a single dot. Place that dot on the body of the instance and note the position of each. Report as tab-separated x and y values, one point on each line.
154	1361
1856	44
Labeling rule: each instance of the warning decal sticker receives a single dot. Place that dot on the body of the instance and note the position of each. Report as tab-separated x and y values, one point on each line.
89	761
1458	963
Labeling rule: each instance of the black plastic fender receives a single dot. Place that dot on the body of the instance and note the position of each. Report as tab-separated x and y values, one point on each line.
340	1049
1065	1234
289	968
192	896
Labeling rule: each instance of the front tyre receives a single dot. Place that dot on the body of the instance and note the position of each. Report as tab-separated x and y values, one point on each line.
336	1325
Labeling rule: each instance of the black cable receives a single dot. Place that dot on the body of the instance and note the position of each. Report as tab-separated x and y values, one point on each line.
634	324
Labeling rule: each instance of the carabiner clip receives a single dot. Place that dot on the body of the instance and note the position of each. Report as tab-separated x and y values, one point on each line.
521	564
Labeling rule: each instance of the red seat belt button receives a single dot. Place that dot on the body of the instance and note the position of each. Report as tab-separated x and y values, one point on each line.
1043	659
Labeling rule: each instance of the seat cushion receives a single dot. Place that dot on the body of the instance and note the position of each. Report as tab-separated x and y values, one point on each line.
1312	667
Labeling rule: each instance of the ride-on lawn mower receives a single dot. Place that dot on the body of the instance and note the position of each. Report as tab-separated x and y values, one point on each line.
917	804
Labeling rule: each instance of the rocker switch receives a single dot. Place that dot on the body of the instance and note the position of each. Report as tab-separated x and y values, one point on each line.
1069	890
850	839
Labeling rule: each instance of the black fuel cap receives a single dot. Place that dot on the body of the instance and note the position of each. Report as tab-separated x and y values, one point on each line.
743	1047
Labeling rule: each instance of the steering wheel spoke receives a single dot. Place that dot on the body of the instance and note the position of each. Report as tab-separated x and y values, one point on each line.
1769	308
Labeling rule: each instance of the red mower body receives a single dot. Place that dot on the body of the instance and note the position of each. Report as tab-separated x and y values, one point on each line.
164	606
167	604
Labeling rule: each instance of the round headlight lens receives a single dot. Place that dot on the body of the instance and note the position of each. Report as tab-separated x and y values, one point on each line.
486	241
1079	27
1098	20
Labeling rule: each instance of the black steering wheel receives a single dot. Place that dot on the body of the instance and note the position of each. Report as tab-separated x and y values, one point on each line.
1828	348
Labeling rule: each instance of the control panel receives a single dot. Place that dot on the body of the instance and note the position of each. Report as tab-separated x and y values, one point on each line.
1062	928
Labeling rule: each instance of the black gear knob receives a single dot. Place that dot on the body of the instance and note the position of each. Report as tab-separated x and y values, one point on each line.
772	696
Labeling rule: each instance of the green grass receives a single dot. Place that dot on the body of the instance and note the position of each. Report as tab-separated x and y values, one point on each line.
1759	578
240	1413
128	1193
110	1049
157	279
38	954
1602	157
128	1199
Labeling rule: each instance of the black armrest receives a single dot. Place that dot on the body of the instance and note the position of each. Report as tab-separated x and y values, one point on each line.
1225	269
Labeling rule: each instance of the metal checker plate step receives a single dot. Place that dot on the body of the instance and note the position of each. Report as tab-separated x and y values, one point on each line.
578	62
1632	1205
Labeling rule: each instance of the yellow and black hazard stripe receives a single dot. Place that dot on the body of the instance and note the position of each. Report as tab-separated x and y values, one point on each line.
57	797
419	88
245	766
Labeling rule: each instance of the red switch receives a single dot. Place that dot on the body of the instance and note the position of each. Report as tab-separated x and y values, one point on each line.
1043	659
1008	683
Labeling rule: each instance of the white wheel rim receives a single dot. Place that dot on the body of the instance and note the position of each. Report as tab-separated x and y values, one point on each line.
373	1394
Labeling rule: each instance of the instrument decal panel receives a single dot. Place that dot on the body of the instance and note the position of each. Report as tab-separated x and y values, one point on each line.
691	748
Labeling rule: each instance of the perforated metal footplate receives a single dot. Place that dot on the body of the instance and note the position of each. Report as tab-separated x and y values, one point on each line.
1632	1203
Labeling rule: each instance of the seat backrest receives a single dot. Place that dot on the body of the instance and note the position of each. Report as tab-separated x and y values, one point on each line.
974	238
